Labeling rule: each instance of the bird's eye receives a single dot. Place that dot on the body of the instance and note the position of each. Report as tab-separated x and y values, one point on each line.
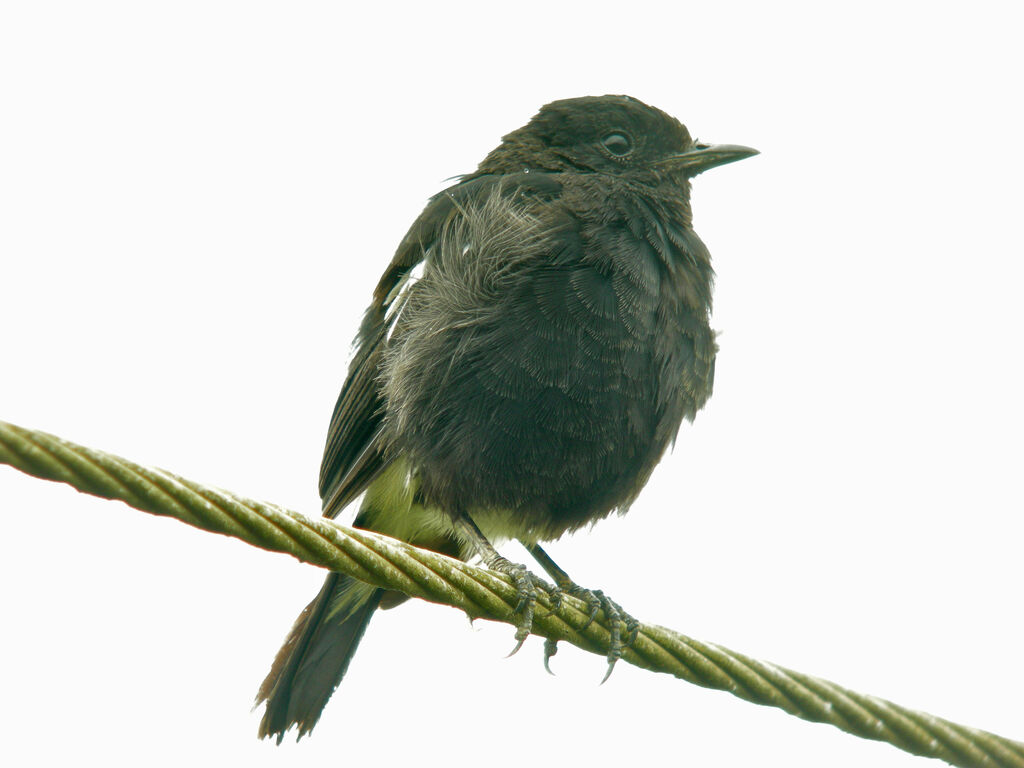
619	144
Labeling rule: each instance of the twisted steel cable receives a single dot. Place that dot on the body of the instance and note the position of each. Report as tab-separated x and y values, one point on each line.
394	564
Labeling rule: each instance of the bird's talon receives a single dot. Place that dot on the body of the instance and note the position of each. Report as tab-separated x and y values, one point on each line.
593	599
519	644
633	628
554	595
550	649
608	672
622	628
528	587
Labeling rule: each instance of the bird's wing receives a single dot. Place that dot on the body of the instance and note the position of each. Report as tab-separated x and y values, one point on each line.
354	455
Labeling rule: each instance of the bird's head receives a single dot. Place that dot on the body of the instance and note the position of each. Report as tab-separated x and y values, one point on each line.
607	134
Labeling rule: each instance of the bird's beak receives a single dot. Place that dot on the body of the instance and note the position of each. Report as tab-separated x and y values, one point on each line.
704	156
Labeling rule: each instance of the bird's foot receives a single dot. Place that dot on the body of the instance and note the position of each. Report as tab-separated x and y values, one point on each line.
622	627
528	586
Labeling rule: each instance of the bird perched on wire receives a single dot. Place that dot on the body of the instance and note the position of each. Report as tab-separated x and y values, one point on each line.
527	357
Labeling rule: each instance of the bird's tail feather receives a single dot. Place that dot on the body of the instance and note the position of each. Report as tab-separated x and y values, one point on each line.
315	655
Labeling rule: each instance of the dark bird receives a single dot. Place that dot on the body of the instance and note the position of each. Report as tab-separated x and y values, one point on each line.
528	356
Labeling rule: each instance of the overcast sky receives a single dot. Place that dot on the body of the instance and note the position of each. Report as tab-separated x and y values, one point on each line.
196	199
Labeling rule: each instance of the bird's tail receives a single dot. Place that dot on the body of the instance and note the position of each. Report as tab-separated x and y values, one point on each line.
315	655
320	646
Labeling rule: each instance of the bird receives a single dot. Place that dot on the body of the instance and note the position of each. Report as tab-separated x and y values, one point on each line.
527	358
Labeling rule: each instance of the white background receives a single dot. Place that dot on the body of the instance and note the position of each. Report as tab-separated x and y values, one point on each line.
196	200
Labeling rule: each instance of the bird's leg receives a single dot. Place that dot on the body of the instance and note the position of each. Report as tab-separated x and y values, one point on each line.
618	619
527	585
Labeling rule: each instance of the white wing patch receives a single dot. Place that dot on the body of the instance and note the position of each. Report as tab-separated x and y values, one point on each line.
399	295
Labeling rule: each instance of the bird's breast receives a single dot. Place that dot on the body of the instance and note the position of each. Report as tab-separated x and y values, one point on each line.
550	386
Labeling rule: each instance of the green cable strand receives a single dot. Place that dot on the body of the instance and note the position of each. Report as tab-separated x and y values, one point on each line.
394	564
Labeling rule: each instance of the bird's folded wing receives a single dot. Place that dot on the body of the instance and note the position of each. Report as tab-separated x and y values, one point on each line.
354	455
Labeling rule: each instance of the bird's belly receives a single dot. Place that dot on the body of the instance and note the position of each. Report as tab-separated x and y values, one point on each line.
553	398
557	426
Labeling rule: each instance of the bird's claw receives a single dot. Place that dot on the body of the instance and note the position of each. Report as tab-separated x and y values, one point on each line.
622	628
550	649
554	593
528	587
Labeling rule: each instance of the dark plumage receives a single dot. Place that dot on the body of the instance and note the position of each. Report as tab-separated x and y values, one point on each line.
530	379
